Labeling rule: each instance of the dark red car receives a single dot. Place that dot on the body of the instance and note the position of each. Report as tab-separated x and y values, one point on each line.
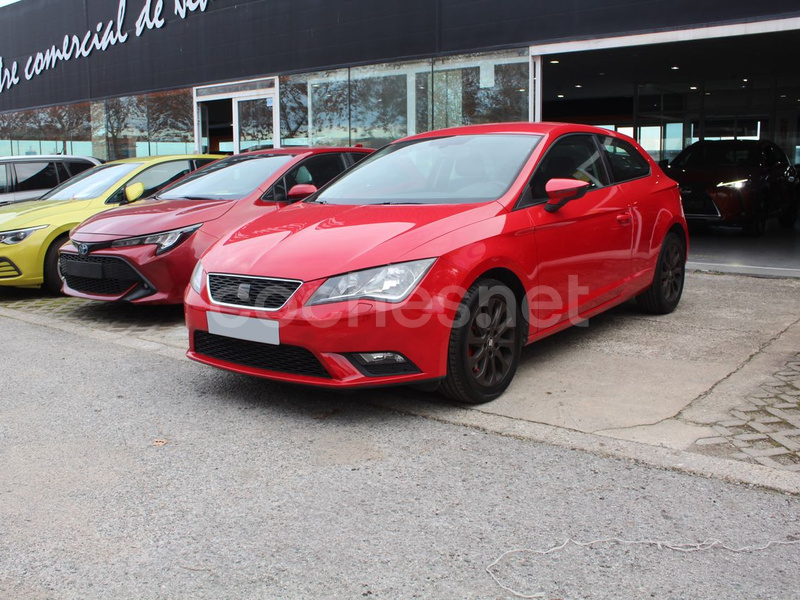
736	182
145	253
440	256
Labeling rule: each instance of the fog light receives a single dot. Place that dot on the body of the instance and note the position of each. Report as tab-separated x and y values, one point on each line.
380	358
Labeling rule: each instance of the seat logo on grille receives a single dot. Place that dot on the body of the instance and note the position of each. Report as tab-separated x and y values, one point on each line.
243	293
83	249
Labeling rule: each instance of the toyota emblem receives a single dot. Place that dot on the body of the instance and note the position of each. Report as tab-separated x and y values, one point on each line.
83	249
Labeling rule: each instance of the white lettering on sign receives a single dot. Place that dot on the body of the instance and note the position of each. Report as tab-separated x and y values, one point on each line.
76	47
150	17
182	6
100	39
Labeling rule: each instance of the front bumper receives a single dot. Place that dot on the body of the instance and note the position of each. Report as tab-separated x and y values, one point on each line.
718	205
318	344
135	274
21	265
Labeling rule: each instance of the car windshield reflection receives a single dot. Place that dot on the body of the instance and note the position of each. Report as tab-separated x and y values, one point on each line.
447	170
229	179
92	183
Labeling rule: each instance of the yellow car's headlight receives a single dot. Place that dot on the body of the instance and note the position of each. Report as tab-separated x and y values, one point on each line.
17	235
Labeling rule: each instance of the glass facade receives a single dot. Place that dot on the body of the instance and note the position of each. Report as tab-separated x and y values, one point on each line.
145	125
375	104
368	105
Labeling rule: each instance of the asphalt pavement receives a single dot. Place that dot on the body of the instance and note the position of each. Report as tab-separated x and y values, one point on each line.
127	471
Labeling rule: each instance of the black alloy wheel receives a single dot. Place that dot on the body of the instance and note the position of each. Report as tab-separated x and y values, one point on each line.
485	344
664	294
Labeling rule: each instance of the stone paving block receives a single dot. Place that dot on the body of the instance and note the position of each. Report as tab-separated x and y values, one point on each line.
733	423
768	462
751	437
769	420
711	441
765	453
723	431
760	427
784	441
740	444
740	415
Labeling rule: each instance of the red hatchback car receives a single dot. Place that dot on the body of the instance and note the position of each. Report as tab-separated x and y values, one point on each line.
145	253
439	257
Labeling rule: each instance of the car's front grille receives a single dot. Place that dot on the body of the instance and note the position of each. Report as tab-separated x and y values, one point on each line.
697	202
282	359
101	275
8	269
252	292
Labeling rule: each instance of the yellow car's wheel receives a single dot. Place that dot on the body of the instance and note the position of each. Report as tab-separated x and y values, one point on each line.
52	281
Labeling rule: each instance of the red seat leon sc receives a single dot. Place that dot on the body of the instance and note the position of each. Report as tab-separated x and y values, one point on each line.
145	253
439	257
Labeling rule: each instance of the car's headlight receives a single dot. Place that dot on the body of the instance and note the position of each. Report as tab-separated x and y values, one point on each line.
198	276
18	235
164	240
738	184
392	283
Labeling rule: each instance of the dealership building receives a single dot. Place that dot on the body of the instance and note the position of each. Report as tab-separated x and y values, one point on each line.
121	78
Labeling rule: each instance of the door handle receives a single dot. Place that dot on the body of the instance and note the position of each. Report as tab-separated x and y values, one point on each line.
624	218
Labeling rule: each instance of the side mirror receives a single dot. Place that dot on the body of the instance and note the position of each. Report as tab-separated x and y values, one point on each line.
301	191
133	192
561	191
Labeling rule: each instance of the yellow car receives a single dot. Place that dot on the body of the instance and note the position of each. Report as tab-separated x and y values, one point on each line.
32	232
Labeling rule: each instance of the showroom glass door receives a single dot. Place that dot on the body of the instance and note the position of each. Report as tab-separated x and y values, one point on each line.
254	124
238	116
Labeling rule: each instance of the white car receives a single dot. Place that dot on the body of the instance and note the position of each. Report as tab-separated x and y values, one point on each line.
28	177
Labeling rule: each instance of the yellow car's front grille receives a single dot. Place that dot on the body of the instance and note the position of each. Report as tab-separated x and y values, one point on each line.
8	269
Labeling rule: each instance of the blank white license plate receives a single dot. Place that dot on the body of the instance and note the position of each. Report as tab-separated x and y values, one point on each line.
263	331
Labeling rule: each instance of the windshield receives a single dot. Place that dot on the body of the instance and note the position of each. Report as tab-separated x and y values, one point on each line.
713	155
91	183
228	179
448	170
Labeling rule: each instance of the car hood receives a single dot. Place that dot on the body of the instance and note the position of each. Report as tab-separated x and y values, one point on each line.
39	212
309	241
711	176
151	216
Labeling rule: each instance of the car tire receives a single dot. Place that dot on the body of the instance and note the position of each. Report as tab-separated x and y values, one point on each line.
759	224
52	280
788	217
664	294
485	343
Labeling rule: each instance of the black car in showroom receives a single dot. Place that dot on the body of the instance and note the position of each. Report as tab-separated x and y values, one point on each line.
736	182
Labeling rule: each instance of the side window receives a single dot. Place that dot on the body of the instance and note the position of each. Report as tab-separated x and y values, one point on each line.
626	163
5	183
571	157
36	176
158	176
78	166
202	162
780	157
63	173
357	157
316	171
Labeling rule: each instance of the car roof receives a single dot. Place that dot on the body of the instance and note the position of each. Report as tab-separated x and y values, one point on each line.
543	128
28	157
164	158
300	150
732	143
